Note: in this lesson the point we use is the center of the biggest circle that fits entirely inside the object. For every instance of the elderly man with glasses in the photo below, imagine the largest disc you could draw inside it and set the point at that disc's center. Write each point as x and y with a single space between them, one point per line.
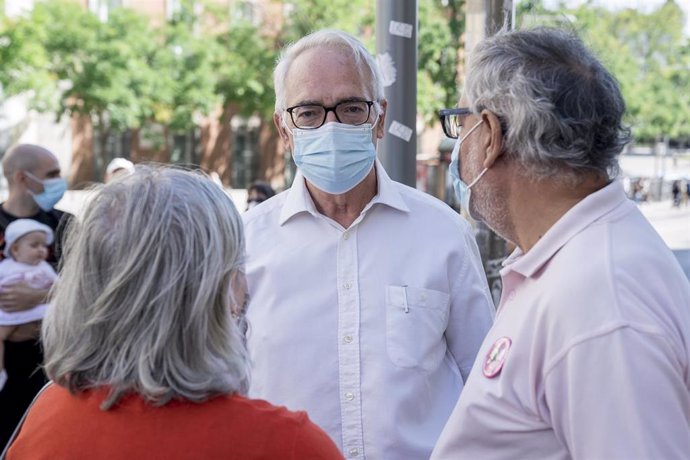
368 301
589 357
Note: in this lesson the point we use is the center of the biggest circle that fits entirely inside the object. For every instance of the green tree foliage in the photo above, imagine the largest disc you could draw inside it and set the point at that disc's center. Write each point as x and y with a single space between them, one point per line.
440 28
244 69
103 67
354 16
646 51
185 72
24 61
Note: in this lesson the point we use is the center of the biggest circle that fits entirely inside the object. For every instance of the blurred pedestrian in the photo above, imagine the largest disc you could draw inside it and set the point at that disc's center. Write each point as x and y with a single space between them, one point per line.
258 192
675 193
147 360
118 167
355 315
35 187
589 356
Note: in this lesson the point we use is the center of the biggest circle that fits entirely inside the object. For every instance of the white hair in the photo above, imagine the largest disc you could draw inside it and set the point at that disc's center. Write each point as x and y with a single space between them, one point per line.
143 302
560 109
328 38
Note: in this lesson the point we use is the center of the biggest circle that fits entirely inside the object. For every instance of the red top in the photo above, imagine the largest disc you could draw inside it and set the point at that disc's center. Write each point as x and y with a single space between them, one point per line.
65 426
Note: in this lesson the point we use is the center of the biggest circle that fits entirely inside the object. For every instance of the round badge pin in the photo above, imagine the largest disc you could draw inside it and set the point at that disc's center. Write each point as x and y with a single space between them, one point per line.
496 357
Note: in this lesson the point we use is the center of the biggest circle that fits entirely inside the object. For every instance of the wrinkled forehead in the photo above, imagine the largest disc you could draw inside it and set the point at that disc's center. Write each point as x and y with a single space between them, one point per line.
327 74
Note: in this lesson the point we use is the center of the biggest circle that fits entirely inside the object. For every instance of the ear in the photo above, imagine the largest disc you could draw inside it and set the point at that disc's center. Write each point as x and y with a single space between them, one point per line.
493 145
282 131
381 124
19 177
13 250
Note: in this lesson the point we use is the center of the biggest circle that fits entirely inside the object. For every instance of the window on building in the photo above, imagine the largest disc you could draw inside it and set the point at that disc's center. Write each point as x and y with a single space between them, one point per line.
245 151
172 8
101 8
247 11
184 148
16 8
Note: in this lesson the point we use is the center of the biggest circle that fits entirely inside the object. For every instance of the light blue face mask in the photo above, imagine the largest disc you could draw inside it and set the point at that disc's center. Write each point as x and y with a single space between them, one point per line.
335 157
462 190
53 190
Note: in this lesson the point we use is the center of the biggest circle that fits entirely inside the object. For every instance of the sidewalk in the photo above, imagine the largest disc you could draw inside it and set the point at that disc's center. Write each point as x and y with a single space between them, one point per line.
673 224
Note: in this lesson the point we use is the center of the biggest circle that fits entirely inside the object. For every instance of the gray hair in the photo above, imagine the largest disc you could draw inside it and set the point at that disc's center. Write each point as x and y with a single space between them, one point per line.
327 38
560 109
143 302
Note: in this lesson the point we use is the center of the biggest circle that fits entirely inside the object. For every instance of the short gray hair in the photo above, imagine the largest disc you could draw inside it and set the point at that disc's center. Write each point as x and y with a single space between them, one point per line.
327 38
561 110
143 302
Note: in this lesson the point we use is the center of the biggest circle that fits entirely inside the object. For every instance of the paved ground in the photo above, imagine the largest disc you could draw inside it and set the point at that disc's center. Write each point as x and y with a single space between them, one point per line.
673 224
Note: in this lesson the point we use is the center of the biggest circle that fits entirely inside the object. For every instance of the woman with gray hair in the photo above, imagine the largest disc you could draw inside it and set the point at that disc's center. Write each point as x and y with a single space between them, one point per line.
143 341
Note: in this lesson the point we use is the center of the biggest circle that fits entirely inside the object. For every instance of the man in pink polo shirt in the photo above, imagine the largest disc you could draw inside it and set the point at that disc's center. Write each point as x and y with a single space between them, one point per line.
588 357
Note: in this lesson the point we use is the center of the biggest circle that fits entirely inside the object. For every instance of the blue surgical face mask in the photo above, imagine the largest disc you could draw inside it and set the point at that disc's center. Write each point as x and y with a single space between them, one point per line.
462 190
335 157
53 190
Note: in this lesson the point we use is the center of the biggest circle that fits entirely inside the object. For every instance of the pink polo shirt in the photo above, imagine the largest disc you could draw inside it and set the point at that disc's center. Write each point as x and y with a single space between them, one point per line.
592 342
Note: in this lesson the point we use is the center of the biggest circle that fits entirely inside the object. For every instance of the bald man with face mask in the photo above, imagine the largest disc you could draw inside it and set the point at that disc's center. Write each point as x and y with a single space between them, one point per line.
35 186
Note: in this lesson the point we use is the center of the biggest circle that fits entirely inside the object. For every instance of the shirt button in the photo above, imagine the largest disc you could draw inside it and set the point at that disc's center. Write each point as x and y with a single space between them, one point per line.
347 285
511 296
422 296
346 235
353 452
347 339
349 396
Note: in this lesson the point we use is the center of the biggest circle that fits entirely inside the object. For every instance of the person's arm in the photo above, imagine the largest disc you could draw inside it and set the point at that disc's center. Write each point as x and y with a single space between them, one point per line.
471 311
20 296
619 394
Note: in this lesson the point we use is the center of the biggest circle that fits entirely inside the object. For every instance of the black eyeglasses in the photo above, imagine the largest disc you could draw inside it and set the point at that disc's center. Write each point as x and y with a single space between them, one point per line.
451 120
312 116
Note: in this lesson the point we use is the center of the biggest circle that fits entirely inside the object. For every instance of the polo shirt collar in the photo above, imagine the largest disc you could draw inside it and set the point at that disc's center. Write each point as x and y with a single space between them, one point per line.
299 200
579 217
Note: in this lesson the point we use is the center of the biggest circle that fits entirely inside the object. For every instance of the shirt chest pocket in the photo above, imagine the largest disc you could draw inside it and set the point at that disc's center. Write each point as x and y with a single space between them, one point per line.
416 319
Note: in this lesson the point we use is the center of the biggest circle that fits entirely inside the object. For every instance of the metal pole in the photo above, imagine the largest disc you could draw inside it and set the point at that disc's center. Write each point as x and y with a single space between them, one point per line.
396 46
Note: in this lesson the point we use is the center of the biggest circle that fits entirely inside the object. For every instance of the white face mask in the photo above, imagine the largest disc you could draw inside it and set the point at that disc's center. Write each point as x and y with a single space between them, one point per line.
462 190
335 157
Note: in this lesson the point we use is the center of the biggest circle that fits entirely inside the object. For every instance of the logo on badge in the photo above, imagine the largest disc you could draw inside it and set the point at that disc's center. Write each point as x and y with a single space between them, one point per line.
496 357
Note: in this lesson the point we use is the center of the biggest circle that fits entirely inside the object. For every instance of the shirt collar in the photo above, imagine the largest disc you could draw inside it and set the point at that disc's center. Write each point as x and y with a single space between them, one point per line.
579 217
299 200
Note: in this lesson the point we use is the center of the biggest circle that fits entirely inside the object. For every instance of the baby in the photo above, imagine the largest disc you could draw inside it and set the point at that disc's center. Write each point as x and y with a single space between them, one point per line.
26 248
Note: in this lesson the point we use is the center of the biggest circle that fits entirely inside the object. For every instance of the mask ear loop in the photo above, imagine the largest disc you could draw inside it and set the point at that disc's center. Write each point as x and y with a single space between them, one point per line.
460 141
378 114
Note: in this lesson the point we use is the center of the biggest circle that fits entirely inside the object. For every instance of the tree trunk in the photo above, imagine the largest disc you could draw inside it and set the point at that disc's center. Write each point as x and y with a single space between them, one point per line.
83 167
216 143
103 134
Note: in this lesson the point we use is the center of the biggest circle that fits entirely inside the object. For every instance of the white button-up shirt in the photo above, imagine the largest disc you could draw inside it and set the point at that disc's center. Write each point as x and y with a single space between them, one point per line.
370 329
597 317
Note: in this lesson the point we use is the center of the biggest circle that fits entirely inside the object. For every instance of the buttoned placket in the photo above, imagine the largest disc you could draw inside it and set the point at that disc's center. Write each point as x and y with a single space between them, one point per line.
348 345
